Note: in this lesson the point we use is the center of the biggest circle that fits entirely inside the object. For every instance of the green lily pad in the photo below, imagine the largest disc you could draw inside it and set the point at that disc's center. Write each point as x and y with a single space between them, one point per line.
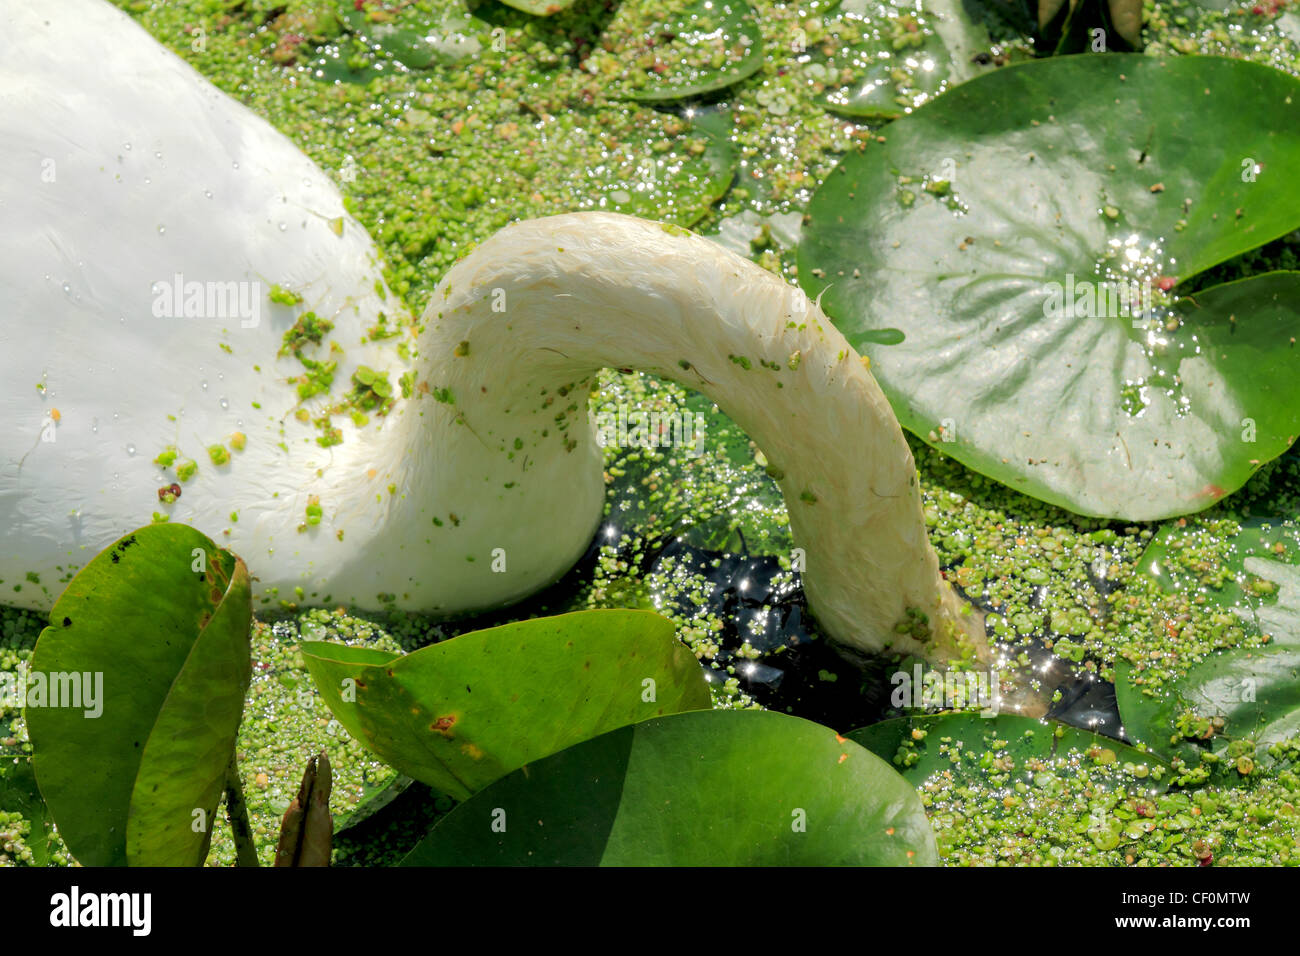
1005 234
676 187
876 61
540 8
346 60
462 713
1247 694
682 49
971 747
1257 581
373 800
416 35
20 794
709 788
1254 691
961 26
154 633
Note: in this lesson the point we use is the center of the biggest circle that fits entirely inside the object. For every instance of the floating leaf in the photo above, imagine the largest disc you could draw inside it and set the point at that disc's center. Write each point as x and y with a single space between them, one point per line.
416 36
876 62
155 629
1005 234
1257 581
346 60
709 788
961 26
1254 691
970 747
685 50
20 794
462 713
374 800
676 187
540 8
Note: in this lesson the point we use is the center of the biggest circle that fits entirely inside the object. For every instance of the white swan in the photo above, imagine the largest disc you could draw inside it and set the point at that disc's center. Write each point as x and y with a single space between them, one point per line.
122 169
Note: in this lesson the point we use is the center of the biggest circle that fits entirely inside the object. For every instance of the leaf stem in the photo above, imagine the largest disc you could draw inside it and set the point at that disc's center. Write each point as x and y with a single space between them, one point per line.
237 814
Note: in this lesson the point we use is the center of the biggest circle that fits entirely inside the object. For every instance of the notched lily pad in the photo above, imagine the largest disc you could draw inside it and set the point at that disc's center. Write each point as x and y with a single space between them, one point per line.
1026 232
708 788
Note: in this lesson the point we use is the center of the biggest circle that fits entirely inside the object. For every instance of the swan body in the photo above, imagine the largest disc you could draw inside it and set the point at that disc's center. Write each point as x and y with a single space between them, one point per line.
482 480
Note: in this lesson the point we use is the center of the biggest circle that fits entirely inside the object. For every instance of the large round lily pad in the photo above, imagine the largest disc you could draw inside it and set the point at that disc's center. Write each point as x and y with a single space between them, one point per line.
989 258
708 788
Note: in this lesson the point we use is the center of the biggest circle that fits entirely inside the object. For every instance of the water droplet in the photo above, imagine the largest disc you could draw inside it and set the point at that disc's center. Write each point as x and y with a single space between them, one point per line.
204 385
224 404
162 230
130 450
235 164
126 145
207 193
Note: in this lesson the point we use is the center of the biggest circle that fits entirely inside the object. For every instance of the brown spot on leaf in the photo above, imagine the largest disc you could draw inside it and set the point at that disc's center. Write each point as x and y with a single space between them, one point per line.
443 725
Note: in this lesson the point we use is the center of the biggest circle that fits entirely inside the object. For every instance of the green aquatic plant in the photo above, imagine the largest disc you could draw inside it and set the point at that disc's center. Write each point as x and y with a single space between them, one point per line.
733 788
1010 257
136 691
461 713
134 696
1238 708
